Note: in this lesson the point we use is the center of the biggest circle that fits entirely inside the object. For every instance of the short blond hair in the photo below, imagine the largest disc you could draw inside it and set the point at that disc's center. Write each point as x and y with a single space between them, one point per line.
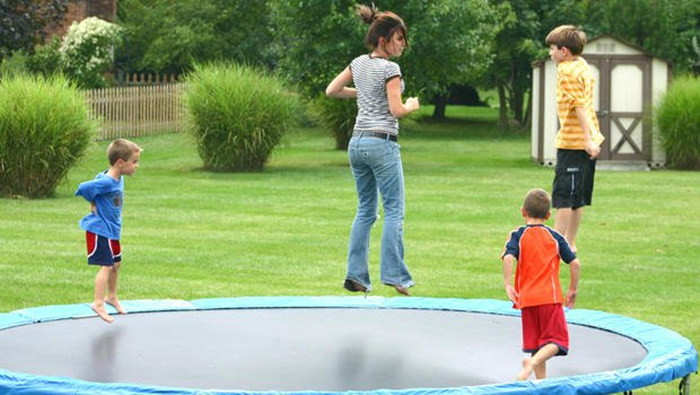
121 149
568 36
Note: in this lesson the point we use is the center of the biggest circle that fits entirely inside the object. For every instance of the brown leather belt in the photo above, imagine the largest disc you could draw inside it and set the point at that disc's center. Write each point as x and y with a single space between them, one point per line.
380 135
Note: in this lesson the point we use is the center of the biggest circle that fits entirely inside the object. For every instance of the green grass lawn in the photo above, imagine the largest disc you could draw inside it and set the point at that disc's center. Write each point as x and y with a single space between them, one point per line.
193 234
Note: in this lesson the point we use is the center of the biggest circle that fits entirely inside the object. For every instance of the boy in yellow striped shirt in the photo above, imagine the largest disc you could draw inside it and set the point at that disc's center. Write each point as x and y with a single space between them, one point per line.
578 139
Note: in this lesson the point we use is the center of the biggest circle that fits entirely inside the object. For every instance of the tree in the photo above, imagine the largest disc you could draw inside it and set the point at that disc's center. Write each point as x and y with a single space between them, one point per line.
319 39
23 23
170 36
664 28
450 45
449 42
519 44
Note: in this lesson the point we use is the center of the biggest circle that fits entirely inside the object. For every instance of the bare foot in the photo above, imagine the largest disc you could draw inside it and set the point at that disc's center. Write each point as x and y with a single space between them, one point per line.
114 302
528 367
102 313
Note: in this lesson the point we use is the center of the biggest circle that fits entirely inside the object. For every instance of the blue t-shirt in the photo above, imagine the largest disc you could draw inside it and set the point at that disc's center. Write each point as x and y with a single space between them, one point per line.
108 196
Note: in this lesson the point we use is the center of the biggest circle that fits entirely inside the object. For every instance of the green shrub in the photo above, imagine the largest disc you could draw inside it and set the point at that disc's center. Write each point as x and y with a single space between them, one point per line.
14 65
46 59
44 128
237 114
678 120
338 116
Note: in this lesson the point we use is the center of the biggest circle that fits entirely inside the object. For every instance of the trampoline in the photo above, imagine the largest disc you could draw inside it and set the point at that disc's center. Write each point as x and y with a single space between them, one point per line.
256 345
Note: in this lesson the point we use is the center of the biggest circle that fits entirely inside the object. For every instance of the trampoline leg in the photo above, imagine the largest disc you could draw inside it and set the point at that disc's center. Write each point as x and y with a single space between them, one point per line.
684 386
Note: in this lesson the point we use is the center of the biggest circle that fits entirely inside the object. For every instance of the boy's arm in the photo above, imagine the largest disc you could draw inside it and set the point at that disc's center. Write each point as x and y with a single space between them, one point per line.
575 267
91 189
508 264
591 147
572 89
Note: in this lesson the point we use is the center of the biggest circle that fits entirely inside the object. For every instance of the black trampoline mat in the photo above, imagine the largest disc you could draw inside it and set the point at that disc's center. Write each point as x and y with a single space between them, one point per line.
296 349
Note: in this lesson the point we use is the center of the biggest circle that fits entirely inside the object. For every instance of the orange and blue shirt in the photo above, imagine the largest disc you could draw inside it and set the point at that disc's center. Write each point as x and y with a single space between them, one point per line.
538 250
575 84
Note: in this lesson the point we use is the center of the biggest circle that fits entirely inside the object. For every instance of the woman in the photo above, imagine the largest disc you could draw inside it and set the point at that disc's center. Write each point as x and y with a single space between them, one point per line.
373 150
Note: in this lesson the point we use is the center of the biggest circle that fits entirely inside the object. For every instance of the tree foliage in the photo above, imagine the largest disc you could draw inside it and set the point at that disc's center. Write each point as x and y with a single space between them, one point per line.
23 23
451 44
170 36
663 28
449 41
319 38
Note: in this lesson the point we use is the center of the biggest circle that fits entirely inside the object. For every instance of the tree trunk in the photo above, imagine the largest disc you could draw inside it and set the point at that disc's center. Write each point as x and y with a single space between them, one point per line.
527 122
502 107
517 105
440 106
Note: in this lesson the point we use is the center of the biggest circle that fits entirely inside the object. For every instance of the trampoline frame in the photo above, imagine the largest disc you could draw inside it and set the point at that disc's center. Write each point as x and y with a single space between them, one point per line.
669 355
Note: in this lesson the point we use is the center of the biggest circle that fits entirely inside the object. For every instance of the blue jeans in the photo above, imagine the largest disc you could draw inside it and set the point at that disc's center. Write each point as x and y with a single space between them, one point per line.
376 165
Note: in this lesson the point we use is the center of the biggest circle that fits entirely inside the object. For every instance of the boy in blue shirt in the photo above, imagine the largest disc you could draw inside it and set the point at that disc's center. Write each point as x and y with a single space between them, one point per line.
103 225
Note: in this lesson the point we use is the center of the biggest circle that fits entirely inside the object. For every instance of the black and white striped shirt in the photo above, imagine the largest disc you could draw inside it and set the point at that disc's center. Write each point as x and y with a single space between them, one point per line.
370 75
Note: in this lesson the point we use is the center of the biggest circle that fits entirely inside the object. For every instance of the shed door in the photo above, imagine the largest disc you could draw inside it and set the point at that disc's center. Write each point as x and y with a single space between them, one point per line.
622 103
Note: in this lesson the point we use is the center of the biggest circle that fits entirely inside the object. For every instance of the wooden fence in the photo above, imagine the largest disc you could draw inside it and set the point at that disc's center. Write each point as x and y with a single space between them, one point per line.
130 79
134 111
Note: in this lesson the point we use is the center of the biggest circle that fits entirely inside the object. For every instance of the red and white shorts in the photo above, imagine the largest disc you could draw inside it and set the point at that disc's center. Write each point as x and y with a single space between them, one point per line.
101 250
543 325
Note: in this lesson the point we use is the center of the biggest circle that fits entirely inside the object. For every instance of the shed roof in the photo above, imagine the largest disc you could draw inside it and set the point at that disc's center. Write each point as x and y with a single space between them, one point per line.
604 44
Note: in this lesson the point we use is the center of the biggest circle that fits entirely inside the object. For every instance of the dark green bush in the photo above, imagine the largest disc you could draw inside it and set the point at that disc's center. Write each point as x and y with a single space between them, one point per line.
237 114
678 120
338 116
14 65
44 128
46 59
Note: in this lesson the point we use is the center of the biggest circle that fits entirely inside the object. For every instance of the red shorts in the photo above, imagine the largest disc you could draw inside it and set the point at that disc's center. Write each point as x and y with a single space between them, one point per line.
101 250
542 325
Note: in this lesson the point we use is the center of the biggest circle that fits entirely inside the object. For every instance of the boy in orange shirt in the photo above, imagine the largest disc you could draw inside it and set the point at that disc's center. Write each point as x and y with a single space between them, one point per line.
578 139
536 290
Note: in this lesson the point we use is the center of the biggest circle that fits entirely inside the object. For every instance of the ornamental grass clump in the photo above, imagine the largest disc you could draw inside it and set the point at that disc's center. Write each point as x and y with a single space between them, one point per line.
337 116
678 120
44 128
237 115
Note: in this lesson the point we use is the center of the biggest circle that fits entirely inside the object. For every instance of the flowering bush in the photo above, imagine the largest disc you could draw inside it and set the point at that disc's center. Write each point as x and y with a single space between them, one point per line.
87 51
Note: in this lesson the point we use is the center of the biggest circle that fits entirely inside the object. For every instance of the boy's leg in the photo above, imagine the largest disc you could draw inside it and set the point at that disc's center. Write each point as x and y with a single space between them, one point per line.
572 189
101 281
566 222
538 362
112 283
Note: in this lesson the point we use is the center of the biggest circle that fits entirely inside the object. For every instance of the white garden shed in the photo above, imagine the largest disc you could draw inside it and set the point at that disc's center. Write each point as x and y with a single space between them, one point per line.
629 83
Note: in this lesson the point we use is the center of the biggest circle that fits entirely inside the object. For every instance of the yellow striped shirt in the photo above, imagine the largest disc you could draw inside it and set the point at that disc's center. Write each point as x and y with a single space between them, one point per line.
575 85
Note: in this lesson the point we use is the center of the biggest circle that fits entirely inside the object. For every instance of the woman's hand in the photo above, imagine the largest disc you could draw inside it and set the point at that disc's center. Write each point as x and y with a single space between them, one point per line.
412 103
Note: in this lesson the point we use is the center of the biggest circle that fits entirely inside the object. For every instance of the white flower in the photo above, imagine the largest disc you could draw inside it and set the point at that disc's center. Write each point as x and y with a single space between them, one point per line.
86 50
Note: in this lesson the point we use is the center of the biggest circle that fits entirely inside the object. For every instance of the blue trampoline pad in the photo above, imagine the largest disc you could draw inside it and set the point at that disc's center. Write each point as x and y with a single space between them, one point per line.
326 345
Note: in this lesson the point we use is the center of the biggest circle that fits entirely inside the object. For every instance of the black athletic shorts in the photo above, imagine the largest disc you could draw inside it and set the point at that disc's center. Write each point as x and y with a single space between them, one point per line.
573 179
